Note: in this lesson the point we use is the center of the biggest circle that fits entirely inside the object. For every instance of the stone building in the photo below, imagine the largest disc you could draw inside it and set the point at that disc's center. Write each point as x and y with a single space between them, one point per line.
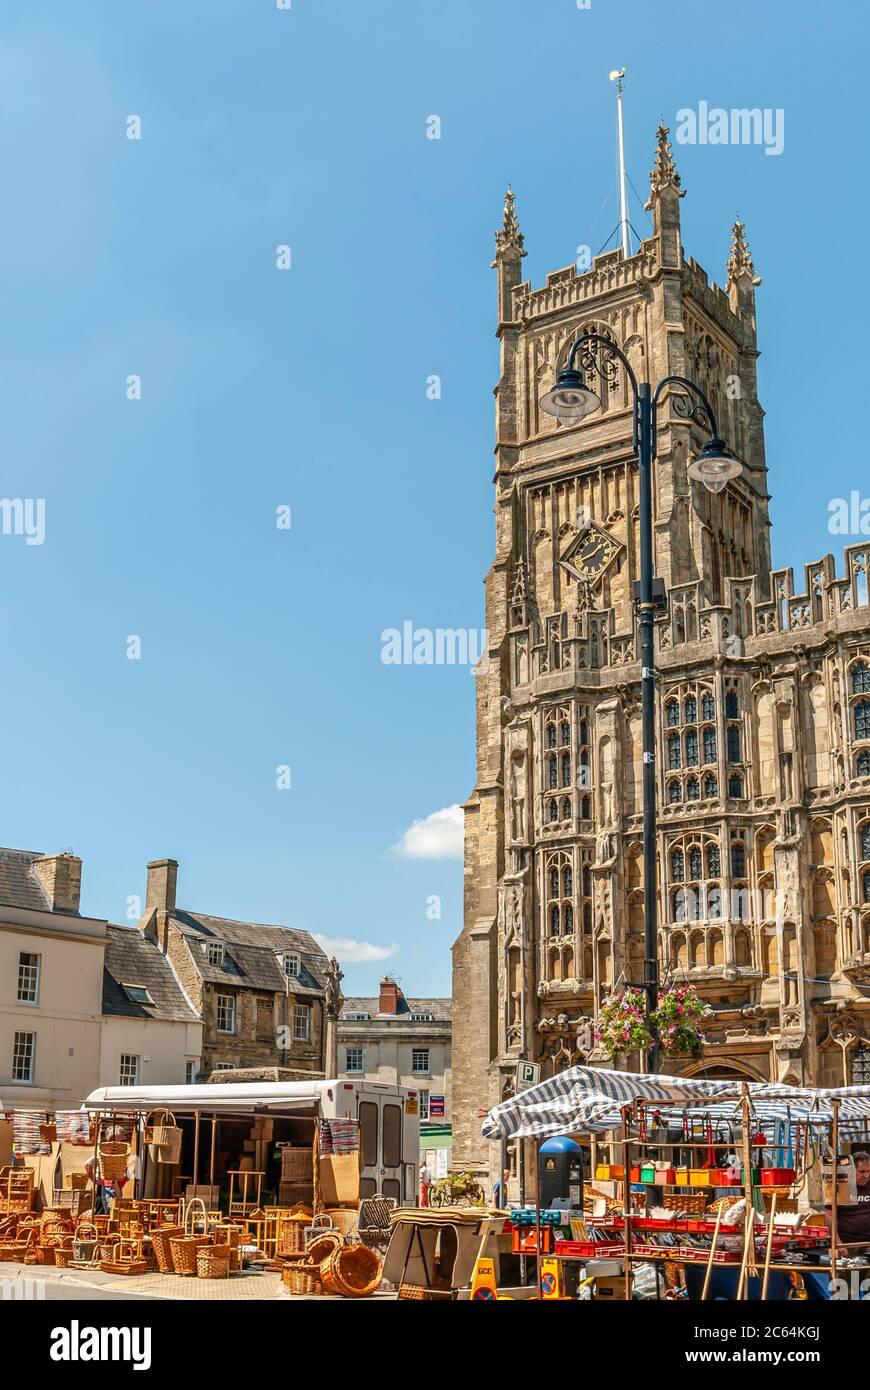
763 700
403 1042
263 992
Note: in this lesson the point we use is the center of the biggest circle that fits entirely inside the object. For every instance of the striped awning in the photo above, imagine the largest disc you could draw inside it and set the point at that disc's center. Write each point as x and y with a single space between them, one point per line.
591 1099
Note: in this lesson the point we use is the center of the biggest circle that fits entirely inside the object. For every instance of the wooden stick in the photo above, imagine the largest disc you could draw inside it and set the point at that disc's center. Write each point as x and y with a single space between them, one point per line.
709 1273
748 1234
772 1218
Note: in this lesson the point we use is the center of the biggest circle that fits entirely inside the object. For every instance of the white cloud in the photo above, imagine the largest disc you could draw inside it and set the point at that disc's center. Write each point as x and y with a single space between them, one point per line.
439 836
346 949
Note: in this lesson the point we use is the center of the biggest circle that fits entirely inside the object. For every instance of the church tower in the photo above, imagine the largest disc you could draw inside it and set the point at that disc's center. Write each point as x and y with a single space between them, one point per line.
553 877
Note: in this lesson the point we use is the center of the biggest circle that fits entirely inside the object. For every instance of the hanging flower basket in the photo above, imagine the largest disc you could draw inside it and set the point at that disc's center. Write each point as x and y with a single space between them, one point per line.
621 1026
678 1021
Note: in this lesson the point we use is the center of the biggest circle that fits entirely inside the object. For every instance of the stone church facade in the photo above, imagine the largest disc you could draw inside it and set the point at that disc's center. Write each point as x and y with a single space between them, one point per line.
763 708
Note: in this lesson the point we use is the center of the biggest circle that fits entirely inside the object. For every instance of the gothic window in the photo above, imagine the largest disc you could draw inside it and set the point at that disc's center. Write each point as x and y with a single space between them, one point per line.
552 779
865 886
678 905
673 714
587 917
569 919
554 920
566 769
567 881
734 743
861 679
693 789
678 866
690 710
860 1059
587 881
714 865
709 745
864 763
692 748
553 810
565 732
862 719
675 792
551 735
711 786
696 866
732 707
554 883
584 731
674 751
865 840
708 706
566 808
714 903
738 861
586 809
735 786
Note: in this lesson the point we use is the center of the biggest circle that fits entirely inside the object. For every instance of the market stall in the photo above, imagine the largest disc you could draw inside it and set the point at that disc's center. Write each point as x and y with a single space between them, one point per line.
734 1187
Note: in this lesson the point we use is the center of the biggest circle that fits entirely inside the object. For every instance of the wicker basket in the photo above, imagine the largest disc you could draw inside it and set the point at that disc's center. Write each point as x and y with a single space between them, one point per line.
694 1202
62 1256
183 1247
213 1262
160 1244
303 1277
164 1139
85 1246
354 1271
322 1244
113 1159
292 1238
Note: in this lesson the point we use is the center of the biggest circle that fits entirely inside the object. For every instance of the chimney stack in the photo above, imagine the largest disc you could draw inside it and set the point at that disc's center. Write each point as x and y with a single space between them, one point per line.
61 878
160 892
390 995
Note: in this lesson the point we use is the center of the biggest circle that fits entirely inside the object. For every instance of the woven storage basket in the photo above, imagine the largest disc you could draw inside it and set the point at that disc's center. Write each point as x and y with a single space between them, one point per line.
292 1239
354 1271
62 1256
85 1246
213 1262
113 1159
694 1202
183 1247
164 1139
303 1277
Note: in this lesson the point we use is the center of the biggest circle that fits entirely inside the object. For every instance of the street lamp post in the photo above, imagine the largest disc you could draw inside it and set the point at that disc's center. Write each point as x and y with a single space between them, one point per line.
571 400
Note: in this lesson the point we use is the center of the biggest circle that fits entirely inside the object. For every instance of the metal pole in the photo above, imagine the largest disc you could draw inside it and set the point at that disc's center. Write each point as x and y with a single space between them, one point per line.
646 615
623 196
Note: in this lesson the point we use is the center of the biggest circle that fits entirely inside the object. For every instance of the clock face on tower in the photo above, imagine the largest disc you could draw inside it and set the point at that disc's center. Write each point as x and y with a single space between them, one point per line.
590 553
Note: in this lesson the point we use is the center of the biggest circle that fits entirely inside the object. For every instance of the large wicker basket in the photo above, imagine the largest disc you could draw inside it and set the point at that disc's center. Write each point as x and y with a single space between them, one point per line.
183 1247
113 1159
354 1271
84 1246
160 1239
164 1139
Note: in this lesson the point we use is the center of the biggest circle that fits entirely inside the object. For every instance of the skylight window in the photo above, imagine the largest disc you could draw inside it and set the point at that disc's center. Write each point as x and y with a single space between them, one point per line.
137 994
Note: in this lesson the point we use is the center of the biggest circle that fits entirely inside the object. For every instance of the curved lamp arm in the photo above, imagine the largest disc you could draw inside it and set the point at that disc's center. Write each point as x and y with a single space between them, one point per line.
696 407
604 365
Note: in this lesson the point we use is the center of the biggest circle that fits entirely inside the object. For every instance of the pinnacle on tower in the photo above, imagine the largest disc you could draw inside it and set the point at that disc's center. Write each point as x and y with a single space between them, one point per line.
664 171
740 261
509 240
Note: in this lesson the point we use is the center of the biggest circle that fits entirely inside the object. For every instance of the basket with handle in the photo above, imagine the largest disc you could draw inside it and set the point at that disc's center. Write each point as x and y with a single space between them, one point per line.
213 1261
183 1247
304 1277
164 1138
113 1156
84 1246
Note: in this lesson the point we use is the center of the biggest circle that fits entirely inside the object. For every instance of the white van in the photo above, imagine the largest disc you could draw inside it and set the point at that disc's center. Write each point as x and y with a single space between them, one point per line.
389 1118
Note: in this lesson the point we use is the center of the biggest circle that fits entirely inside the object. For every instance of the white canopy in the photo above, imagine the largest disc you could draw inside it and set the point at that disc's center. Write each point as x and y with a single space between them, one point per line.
243 1096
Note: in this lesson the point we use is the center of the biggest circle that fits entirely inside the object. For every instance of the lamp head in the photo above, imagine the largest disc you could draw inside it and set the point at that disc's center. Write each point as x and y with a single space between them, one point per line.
715 466
570 399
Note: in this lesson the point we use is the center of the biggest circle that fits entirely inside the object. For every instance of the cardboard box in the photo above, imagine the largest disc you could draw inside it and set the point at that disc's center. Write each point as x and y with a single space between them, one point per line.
339 1180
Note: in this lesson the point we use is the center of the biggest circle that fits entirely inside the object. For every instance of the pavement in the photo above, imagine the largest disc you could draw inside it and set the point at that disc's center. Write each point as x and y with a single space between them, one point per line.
27 1282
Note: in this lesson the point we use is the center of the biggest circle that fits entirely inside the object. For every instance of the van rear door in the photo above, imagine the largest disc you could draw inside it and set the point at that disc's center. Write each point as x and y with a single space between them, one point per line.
381 1120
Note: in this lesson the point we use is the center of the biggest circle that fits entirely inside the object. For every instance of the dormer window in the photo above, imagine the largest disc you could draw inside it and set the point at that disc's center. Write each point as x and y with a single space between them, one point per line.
137 994
421 1018
214 951
356 1018
292 963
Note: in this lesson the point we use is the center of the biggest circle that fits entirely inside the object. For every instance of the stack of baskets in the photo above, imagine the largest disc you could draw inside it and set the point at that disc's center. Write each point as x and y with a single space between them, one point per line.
164 1138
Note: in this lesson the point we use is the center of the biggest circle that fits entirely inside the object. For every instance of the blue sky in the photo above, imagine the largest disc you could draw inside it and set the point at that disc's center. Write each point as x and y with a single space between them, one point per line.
306 388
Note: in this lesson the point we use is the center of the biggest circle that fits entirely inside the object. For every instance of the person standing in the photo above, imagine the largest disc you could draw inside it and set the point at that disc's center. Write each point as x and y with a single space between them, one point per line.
425 1183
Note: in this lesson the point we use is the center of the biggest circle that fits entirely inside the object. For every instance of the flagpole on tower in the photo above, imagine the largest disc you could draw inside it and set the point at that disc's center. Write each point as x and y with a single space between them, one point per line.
617 76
